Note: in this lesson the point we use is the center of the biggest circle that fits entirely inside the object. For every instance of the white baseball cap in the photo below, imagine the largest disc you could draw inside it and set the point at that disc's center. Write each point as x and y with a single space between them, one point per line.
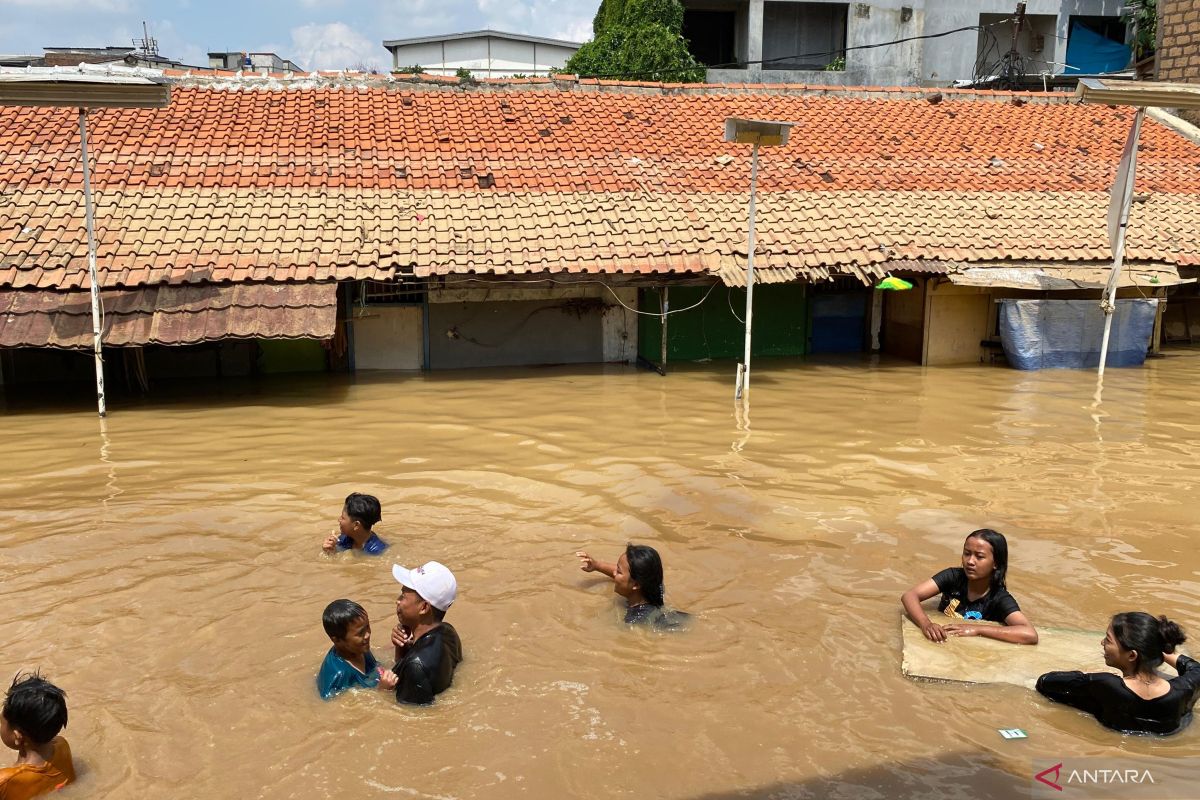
433 581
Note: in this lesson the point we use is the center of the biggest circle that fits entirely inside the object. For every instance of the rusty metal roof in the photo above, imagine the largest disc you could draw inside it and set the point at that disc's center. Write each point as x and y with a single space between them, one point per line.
1051 277
169 314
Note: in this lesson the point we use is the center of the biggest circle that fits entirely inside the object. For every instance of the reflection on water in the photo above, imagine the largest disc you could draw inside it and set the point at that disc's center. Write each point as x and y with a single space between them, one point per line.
167 571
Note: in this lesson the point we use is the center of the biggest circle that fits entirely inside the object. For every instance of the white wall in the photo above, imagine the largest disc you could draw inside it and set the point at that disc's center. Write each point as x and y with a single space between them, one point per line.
484 56
388 337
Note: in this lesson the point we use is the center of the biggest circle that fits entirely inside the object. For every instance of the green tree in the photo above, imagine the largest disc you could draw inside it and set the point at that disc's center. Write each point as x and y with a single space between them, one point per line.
638 40
1144 16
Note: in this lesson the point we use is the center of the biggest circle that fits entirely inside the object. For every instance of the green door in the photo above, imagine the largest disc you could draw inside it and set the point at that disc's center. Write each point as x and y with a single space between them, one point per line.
710 330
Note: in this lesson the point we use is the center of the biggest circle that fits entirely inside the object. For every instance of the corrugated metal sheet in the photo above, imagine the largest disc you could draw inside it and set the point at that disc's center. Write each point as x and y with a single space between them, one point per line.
733 275
1052 279
169 314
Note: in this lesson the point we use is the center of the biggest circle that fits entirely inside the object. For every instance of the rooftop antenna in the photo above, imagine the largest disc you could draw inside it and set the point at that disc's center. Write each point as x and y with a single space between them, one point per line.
147 45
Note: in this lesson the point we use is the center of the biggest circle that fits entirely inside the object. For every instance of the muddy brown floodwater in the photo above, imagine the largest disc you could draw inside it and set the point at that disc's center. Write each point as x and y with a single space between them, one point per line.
168 573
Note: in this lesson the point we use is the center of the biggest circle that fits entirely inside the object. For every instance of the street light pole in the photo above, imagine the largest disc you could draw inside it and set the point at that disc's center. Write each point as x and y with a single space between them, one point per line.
743 380
753 132
97 333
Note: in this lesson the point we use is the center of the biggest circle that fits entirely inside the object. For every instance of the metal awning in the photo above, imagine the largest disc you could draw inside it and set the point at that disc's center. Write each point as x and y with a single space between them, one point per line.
1138 93
1065 278
85 86
169 315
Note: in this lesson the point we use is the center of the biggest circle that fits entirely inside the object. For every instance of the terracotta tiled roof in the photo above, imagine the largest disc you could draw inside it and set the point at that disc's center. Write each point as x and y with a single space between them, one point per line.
322 179
169 314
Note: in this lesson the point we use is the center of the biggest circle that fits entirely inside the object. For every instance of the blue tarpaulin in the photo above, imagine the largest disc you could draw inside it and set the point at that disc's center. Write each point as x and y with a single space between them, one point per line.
1089 53
1065 334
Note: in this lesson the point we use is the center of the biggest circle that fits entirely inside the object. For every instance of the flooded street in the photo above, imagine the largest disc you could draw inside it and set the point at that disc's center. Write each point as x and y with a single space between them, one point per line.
168 574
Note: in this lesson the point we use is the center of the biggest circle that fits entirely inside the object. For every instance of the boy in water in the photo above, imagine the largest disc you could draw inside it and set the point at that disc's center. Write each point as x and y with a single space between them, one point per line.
360 512
427 647
349 664
35 710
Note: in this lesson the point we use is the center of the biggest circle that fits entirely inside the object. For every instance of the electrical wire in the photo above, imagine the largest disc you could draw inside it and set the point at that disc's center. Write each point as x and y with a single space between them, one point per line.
584 283
729 300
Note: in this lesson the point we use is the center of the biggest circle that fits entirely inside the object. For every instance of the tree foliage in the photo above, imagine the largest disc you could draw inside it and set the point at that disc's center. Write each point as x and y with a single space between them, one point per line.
1144 16
638 40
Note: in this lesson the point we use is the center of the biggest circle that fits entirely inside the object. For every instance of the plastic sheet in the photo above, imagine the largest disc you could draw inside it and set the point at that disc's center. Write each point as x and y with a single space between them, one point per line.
1066 334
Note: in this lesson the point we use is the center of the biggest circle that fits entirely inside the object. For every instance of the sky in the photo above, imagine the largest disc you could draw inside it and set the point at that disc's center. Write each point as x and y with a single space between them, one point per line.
316 34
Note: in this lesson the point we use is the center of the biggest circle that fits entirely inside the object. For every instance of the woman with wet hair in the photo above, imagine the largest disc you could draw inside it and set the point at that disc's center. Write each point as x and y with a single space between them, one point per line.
978 590
638 577
1139 700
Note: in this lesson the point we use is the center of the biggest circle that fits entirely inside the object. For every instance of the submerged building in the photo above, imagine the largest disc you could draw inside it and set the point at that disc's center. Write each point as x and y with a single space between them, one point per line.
366 222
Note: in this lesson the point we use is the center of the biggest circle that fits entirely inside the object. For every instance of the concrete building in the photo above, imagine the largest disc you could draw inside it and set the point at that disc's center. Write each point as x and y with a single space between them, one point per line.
487 54
252 62
799 42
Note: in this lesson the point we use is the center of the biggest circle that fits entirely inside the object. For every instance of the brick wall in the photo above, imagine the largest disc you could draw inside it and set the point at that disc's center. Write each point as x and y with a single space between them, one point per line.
1179 44
74 59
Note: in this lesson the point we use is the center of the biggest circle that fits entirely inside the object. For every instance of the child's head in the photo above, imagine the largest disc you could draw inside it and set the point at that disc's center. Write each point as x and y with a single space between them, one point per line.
639 568
35 710
360 509
348 627
985 554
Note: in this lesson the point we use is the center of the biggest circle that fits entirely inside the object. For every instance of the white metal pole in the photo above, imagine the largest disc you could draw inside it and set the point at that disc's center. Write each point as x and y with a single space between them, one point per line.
1109 303
744 372
91 238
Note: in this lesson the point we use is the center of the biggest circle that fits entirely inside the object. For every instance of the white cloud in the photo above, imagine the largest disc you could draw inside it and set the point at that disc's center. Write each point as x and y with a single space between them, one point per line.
559 19
578 31
334 46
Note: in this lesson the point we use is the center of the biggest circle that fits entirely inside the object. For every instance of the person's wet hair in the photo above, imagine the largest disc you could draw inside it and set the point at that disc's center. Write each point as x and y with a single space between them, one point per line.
338 615
999 555
645 567
1149 636
365 508
35 707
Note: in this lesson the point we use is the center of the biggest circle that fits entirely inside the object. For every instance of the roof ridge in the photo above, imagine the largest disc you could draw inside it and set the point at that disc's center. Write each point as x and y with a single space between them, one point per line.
348 79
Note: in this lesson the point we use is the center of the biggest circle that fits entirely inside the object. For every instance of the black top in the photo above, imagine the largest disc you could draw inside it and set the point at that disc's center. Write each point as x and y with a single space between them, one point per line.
996 605
656 617
1106 697
428 666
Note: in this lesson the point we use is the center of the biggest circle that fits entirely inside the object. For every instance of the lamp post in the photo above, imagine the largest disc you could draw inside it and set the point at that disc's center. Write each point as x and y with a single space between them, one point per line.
1141 95
54 86
754 132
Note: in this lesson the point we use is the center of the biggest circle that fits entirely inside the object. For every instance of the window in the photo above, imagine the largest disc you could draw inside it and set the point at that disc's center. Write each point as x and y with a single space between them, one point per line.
402 292
709 35
803 35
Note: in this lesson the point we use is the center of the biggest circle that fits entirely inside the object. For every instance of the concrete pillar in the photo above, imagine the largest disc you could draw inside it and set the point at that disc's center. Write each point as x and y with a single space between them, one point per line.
754 38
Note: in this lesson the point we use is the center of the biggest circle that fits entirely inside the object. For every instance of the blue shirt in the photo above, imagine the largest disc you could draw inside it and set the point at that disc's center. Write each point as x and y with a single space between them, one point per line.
337 675
373 546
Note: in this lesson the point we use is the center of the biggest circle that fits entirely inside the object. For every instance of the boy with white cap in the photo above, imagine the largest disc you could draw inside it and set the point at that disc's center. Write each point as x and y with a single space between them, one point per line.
427 648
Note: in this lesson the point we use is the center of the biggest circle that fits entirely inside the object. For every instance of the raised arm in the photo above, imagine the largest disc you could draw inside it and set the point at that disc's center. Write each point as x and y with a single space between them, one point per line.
1187 667
912 599
589 564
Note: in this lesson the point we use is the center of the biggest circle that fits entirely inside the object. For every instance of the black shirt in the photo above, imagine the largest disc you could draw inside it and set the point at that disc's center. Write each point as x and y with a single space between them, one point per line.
428 666
995 606
1106 697
656 617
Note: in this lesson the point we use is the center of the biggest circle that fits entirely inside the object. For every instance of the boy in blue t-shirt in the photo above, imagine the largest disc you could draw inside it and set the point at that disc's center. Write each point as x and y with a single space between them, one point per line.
360 512
349 664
